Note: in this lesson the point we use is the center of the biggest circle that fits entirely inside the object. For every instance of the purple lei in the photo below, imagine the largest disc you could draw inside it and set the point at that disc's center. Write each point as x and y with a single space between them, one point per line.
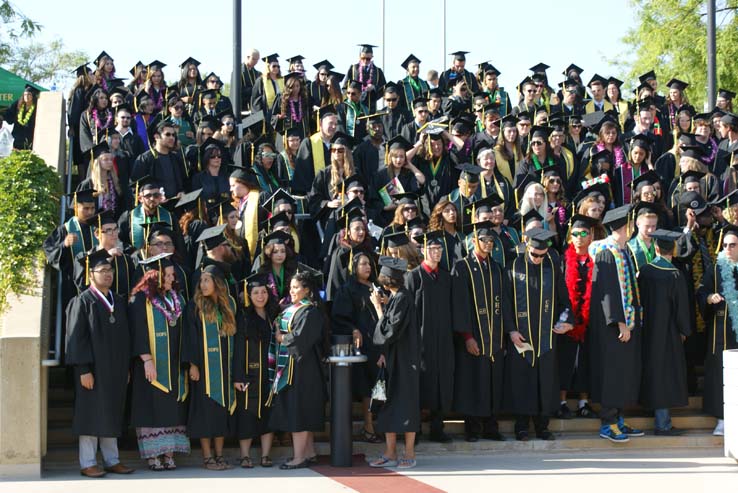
96 118
172 315
296 114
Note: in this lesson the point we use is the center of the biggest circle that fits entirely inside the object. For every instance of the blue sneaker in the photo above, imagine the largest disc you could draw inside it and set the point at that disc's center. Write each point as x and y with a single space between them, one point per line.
627 430
613 433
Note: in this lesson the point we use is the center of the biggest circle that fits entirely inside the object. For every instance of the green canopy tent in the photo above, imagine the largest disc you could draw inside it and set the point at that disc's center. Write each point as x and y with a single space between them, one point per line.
11 87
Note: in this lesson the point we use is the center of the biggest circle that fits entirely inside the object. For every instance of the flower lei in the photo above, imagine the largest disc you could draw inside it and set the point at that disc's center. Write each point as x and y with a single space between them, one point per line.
617 151
171 314
25 116
96 118
729 292
296 114
579 303
362 66
708 160
157 98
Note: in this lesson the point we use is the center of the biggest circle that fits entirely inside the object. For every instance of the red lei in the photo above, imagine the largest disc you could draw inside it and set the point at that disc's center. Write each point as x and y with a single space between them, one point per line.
579 306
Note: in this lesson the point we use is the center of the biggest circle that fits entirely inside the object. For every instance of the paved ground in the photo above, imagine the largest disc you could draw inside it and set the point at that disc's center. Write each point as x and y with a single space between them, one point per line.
627 471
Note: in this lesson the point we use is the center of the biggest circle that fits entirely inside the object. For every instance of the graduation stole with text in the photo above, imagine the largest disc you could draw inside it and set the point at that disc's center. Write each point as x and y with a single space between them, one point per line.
139 219
487 304
522 295
626 279
281 362
74 227
216 387
159 348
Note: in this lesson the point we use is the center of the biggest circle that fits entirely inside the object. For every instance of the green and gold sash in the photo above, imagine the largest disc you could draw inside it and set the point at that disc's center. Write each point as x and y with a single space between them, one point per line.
139 220
159 348
215 385
521 294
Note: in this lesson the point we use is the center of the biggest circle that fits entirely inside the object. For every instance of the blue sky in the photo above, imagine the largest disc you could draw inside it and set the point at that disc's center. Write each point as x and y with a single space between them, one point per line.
513 35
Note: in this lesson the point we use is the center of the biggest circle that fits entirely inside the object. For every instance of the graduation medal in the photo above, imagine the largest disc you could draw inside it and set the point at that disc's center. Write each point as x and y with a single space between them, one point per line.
108 305
434 182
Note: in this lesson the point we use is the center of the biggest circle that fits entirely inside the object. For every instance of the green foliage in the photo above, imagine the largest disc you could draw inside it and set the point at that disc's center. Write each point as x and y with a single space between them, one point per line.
15 26
29 210
40 62
671 37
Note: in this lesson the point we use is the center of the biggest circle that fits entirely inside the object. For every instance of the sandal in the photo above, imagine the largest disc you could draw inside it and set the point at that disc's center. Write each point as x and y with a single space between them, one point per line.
383 461
370 437
406 463
211 464
169 464
246 462
302 465
155 464
266 461
222 462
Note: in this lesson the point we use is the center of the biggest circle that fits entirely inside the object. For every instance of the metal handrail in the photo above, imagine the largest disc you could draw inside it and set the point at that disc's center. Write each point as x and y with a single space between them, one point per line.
55 355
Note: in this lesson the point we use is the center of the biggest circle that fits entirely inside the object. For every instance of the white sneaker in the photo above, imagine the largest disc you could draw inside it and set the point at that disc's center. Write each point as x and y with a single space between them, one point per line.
719 428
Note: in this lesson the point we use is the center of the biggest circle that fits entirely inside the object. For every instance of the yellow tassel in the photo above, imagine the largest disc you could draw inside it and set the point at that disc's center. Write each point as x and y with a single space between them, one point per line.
351 261
252 154
87 270
720 242
245 296
135 199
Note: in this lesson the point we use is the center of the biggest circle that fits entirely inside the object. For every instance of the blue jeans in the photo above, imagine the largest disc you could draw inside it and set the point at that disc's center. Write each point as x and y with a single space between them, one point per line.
662 419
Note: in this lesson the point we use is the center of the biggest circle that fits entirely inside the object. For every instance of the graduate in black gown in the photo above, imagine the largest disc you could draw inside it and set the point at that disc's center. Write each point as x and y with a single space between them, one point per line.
400 175
352 313
541 309
298 391
351 239
666 324
158 379
251 369
397 333
615 328
369 76
209 330
717 291
430 287
98 350
22 115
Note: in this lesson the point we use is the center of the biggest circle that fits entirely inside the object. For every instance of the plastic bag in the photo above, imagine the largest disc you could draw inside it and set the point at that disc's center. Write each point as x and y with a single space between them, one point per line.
6 140
379 392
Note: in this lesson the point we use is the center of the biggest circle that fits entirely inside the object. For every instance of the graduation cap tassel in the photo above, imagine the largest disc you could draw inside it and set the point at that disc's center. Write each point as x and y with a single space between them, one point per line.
252 154
87 271
317 120
245 295
720 242
220 214
351 261
135 199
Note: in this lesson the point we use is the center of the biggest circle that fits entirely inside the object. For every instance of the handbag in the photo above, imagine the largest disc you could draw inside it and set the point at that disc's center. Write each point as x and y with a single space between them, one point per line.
379 392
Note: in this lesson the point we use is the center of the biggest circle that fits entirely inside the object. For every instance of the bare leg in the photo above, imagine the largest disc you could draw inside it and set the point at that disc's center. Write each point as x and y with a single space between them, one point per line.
310 445
410 445
218 445
266 444
562 395
299 446
245 446
391 445
205 446
368 419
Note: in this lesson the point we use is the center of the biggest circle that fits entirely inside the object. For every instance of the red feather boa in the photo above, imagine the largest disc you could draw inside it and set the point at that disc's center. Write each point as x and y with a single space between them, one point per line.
578 305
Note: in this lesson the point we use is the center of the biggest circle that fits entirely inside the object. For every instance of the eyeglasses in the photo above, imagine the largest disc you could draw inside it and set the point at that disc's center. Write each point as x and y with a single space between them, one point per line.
162 244
729 245
536 143
390 100
357 192
579 234
228 124
215 156
269 154
523 124
339 150
554 180
154 195
486 239
530 90
103 271
109 231
169 134
538 255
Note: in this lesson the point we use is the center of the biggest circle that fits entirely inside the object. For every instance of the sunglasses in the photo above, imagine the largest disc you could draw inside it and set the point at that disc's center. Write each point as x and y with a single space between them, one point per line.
538 255
486 239
576 125
154 195
169 134
536 143
213 156
340 150
579 234
390 100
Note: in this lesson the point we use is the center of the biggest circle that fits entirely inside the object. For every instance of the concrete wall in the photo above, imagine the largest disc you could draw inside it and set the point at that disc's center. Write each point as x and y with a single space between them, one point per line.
24 333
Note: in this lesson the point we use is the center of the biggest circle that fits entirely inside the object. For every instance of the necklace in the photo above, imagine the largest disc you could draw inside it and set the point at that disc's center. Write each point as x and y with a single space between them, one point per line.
25 115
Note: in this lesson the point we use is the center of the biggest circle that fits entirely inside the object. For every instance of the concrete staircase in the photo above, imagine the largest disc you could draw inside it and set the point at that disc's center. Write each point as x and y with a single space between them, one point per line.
572 435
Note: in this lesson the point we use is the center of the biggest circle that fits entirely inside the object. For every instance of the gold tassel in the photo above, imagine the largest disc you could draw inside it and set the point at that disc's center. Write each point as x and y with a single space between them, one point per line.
351 261
87 270
245 296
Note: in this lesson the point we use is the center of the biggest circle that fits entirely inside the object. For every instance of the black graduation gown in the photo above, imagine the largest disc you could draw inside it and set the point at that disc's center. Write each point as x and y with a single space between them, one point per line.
250 365
120 200
373 73
438 186
368 159
449 75
214 188
124 269
150 406
206 418
338 267
181 274
453 250
301 406
432 299
249 76
531 379
22 134
720 337
62 259
352 309
663 290
359 125
527 167
615 366
304 175
90 135
398 333
173 180
478 379
393 122
96 345
375 207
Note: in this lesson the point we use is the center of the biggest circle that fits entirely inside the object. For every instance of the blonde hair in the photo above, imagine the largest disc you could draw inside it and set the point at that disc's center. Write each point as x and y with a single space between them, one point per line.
210 306
388 161
339 173
527 203
100 182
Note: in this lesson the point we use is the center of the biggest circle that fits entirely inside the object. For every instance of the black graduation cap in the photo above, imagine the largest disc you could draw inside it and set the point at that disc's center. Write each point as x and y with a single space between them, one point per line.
208 94
597 78
592 191
350 216
435 93
463 123
616 218
409 60
157 262
293 75
459 55
729 229
582 221
730 119
693 151
691 176
391 87
279 220
666 236
407 198
644 141
677 84
725 93
274 57
539 68
189 61
33 90
526 80
392 267
523 115
188 201
420 102
540 131
509 120
414 223
395 240
281 196
93 258
616 82
258 279
573 67
215 270
81 70
133 69
353 181
648 178
100 149
645 208
325 63
694 201
486 204
213 237
85 196
156 64
727 201
326 110
399 142
481 229
140 98
490 69
246 175
343 139
530 216
539 238
367 49
603 155
717 112
429 238
295 59
703 116
469 172
568 83
278 237
147 182
316 277
338 75
157 228
650 75
208 121
102 54
219 211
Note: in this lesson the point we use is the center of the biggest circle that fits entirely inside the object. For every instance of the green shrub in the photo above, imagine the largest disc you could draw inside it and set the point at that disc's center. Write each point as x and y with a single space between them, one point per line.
29 212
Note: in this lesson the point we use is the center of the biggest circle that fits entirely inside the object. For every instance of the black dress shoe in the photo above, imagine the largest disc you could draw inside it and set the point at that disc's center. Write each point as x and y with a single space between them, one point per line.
563 412
671 432
494 435
472 437
521 436
586 412
301 465
545 435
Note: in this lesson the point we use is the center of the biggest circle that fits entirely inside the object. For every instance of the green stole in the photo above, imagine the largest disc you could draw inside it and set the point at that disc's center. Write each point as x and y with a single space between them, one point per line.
411 86
282 373
521 295
720 313
159 348
74 227
215 387
486 297
139 220
641 254
499 96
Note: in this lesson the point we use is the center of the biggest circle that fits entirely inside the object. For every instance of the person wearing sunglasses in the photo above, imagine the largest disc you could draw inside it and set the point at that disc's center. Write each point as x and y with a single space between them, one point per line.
178 116
369 76
350 110
394 117
540 309
135 225
540 158
527 89
570 100
571 349
162 162
268 87
460 99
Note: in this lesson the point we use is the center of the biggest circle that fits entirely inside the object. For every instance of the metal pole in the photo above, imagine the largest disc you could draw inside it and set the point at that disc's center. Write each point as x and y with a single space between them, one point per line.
711 55
236 74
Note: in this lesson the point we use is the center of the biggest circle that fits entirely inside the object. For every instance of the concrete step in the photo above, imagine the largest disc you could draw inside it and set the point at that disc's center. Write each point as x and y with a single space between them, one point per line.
61 435
67 457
